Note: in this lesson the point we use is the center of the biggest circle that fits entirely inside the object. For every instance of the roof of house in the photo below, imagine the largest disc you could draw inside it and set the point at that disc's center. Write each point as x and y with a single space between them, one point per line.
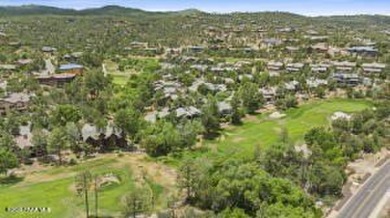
17 97
91 131
272 41
63 75
224 106
374 65
291 85
189 111
70 66
362 49
268 91
24 61
7 67
275 64
48 49
311 82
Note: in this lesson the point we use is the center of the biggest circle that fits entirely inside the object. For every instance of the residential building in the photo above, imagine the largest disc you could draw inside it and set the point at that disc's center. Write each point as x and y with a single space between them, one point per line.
15 101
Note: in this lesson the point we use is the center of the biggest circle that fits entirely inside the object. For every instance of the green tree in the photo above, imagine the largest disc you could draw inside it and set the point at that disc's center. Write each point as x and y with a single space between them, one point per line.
160 138
188 177
137 202
188 131
83 182
236 111
73 136
210 117
251 97
129 121
8 160
57 142
64 114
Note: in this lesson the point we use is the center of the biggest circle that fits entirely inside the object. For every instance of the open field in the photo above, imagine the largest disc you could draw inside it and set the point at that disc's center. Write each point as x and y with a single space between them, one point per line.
264 131
54 187
131 66
120 79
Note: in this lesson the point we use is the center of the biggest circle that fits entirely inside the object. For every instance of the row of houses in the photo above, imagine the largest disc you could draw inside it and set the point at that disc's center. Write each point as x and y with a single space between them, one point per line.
369 68
101 139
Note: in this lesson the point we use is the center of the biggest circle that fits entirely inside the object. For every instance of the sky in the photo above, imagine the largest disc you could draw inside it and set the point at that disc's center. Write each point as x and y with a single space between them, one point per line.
304 7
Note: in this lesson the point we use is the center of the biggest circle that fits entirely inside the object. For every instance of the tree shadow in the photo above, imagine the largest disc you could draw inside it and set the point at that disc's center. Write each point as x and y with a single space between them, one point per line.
211 135
10 180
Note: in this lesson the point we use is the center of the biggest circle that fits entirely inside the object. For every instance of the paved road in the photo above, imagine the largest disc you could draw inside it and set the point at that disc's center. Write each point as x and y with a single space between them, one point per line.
363 203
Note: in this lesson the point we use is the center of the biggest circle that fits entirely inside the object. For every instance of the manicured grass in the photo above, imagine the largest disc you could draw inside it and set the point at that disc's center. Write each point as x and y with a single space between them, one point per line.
54 188
265 131
120 80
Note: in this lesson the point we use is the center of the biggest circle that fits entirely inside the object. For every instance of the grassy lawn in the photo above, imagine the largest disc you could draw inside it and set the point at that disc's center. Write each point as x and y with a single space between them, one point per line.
120 80
264 131
54 187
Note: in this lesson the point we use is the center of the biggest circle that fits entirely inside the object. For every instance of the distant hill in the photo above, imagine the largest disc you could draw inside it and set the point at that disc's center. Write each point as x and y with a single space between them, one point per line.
113 10
33 10
107 10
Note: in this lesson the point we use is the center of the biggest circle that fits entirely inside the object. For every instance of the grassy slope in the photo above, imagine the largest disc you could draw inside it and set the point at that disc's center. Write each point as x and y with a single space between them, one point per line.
54 188
265 131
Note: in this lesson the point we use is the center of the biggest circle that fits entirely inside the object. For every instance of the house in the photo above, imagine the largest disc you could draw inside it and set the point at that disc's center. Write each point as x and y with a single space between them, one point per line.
224 108
319 47
71 69
363 51
275 66
14 101
187 112
317 38
272 42
314 83
269 94
56 79
22 62
344 66
48 49
73 57
285 30
373 68
319 68
24 142
199 67
154 115
170 89
221 69
7 67
292 49
294 67
367 81
195 49
347 79
138 45
312 32
105 139
247 76
292 85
